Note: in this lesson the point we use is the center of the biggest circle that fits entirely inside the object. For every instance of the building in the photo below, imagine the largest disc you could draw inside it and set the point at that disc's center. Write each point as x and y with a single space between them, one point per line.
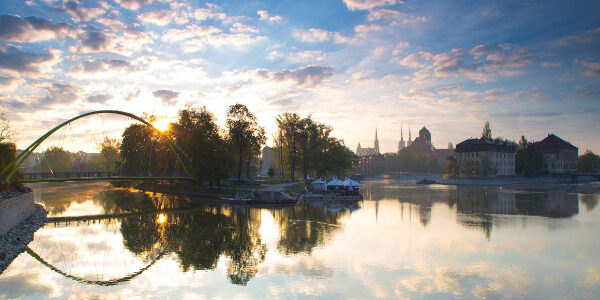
267 161
32 163
370 160
485 158
422 144
560 157
401 143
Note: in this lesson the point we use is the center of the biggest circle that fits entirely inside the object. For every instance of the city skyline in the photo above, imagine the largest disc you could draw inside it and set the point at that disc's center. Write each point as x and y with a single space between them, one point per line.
528 68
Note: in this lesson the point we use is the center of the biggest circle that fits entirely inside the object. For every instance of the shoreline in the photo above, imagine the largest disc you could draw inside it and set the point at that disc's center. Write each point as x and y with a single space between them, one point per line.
16 240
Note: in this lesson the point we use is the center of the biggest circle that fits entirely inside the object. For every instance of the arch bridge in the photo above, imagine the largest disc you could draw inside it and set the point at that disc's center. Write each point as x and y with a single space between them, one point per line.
10 170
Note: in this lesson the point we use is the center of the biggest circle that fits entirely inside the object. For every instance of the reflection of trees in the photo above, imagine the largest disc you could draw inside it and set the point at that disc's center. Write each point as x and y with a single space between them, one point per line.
303 227
590 201
123 200
198 238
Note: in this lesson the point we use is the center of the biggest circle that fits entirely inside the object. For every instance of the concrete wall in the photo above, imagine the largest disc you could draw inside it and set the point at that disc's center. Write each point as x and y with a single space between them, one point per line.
14 210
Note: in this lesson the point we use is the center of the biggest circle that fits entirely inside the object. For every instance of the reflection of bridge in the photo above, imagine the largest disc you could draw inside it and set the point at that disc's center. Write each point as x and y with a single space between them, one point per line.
93 218
96 282
9 171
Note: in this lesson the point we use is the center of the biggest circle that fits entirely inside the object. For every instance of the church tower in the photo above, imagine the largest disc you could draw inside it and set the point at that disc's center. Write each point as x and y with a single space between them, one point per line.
409 137
376 141
401 143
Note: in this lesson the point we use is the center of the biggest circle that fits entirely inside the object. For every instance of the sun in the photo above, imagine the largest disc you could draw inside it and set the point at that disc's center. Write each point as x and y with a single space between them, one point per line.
161 124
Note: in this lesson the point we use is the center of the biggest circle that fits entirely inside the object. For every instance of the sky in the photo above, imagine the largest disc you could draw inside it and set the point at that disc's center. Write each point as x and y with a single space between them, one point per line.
528 67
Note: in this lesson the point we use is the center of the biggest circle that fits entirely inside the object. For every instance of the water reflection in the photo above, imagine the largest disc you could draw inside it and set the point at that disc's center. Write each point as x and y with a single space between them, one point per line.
401 241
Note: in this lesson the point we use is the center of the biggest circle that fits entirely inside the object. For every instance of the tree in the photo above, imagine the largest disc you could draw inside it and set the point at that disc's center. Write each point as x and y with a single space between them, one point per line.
109 158
197 133
451 168
589 162
487 131
247 137
290 124
6 132
56 159
528 159
271 172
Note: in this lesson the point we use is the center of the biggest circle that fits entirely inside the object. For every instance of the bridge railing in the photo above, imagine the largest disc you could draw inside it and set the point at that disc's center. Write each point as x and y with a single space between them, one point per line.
59 175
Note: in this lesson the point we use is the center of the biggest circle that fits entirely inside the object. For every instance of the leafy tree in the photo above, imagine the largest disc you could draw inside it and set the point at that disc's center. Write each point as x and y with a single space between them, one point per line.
197 133
528 159
589 162
451 168
57 159
6 132
290 125
109 158
487 131
247 137
271 172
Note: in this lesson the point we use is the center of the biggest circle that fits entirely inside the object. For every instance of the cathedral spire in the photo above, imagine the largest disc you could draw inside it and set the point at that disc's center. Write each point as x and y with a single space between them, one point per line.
376 141
409 136
401 133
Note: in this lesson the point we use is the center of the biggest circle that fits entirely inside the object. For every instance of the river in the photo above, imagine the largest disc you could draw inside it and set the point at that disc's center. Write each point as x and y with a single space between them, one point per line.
401 241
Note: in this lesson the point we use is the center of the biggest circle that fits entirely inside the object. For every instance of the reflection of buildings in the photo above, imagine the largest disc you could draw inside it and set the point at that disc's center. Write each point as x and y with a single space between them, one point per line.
485 158
370 160
475 205
559 156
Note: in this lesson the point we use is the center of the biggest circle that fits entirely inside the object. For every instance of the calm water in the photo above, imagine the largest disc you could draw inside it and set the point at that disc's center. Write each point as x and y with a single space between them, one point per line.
402 241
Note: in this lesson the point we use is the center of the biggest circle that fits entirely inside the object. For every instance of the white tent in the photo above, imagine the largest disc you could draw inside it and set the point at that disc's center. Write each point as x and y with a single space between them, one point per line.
335 183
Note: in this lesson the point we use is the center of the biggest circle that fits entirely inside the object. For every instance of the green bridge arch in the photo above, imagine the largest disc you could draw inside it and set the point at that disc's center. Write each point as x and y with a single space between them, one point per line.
14 165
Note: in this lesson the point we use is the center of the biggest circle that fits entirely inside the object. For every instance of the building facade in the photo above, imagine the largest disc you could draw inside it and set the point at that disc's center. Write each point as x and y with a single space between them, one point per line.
560 156
485 158
370 160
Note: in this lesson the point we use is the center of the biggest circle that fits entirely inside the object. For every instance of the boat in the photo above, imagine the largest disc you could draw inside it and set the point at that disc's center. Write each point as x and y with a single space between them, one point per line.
426 181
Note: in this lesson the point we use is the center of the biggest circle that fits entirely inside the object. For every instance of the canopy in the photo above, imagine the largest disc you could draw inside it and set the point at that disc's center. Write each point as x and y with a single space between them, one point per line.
335 182
351 183
318 181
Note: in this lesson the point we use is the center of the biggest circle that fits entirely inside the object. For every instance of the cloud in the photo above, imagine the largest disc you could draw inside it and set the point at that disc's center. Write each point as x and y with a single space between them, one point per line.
238 27
593 69
94 41
14 60
99 98
80 13
363 28
307 76
30 29
368 4
264 16
212 12
8 83
585 37
58 93
548 64
133 4
397 17
416 60
167 97
313 35
103 65
481 50
310 56
188 32
235 40
162 17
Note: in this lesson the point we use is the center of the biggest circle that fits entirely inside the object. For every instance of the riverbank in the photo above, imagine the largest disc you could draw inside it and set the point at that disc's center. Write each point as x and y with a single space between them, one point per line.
16 240
515 180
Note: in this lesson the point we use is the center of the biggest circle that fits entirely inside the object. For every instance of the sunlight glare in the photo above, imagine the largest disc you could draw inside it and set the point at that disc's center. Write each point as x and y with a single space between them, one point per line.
161 124
161 219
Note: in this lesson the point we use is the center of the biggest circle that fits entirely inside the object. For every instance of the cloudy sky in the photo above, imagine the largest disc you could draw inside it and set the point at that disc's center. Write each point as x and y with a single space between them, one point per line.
529 67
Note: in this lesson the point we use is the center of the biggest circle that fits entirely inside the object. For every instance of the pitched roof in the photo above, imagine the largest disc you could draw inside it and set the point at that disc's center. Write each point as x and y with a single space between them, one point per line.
369 152
479 145
554 142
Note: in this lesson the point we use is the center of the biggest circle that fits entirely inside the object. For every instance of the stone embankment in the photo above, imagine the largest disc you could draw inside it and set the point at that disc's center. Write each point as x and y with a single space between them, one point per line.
14 242
20 217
